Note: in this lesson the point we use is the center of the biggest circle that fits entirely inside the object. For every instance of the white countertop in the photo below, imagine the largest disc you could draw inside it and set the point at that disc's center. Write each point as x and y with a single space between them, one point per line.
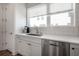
69 39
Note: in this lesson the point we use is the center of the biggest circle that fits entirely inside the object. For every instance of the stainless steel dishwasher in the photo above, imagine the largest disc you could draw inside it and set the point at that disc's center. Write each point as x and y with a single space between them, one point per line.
54 48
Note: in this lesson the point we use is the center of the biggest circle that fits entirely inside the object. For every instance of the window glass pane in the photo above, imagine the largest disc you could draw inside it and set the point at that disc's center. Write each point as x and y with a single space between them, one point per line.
33 22
40 21
60 19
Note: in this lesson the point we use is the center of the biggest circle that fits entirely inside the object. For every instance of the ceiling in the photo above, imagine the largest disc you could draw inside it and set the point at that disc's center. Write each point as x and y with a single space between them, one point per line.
31 4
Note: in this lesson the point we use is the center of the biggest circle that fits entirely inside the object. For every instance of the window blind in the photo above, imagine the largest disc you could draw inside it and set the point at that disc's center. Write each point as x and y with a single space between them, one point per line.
37 10
59 7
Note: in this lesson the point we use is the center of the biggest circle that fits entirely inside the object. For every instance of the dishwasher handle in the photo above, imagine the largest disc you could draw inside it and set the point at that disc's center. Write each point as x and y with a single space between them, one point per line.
54 45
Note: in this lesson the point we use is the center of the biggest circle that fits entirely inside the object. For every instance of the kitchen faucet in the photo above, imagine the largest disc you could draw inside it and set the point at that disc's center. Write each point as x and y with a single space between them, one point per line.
38 30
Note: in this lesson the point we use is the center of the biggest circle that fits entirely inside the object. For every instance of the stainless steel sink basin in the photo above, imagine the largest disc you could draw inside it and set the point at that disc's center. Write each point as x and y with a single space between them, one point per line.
35 34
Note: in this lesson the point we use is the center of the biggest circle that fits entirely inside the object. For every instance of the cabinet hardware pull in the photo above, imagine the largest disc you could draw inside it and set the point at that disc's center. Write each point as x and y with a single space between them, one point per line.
53 45
29 44
73 48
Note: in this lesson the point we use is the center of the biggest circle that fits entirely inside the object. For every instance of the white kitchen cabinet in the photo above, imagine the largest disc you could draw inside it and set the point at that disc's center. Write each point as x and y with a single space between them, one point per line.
35 50
5 16
74 50
12 19
1 43
26 47
23 47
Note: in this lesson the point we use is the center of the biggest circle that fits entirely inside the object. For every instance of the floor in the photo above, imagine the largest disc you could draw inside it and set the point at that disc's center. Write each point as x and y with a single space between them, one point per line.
7 53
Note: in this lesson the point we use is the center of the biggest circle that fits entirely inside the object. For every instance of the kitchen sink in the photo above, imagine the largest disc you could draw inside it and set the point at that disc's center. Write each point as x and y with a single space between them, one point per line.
35 34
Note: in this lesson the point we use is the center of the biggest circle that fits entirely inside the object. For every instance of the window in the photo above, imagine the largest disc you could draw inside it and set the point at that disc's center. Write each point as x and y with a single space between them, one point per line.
61 14
37 15
40 21
61 19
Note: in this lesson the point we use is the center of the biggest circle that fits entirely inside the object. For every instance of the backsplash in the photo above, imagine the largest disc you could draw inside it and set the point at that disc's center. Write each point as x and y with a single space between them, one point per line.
65 30
34 30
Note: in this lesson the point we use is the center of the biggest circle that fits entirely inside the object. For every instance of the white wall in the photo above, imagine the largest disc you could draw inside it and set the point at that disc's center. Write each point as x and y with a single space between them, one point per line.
20 17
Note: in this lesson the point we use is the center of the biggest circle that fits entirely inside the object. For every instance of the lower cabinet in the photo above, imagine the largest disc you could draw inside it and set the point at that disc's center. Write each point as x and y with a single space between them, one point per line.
26 48
36 50
23 48
74 50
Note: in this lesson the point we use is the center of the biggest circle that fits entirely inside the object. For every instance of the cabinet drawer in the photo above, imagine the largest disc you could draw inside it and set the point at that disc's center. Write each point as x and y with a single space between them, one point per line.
19 37
36 44
35 40
29 39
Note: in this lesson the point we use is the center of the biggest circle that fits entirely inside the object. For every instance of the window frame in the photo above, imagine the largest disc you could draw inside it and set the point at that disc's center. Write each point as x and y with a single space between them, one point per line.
48 16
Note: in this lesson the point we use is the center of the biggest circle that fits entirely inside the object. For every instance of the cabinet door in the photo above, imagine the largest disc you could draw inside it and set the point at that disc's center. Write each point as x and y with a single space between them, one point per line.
1 43
35 50
74 50
10 27
27 47
23 47
4 25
